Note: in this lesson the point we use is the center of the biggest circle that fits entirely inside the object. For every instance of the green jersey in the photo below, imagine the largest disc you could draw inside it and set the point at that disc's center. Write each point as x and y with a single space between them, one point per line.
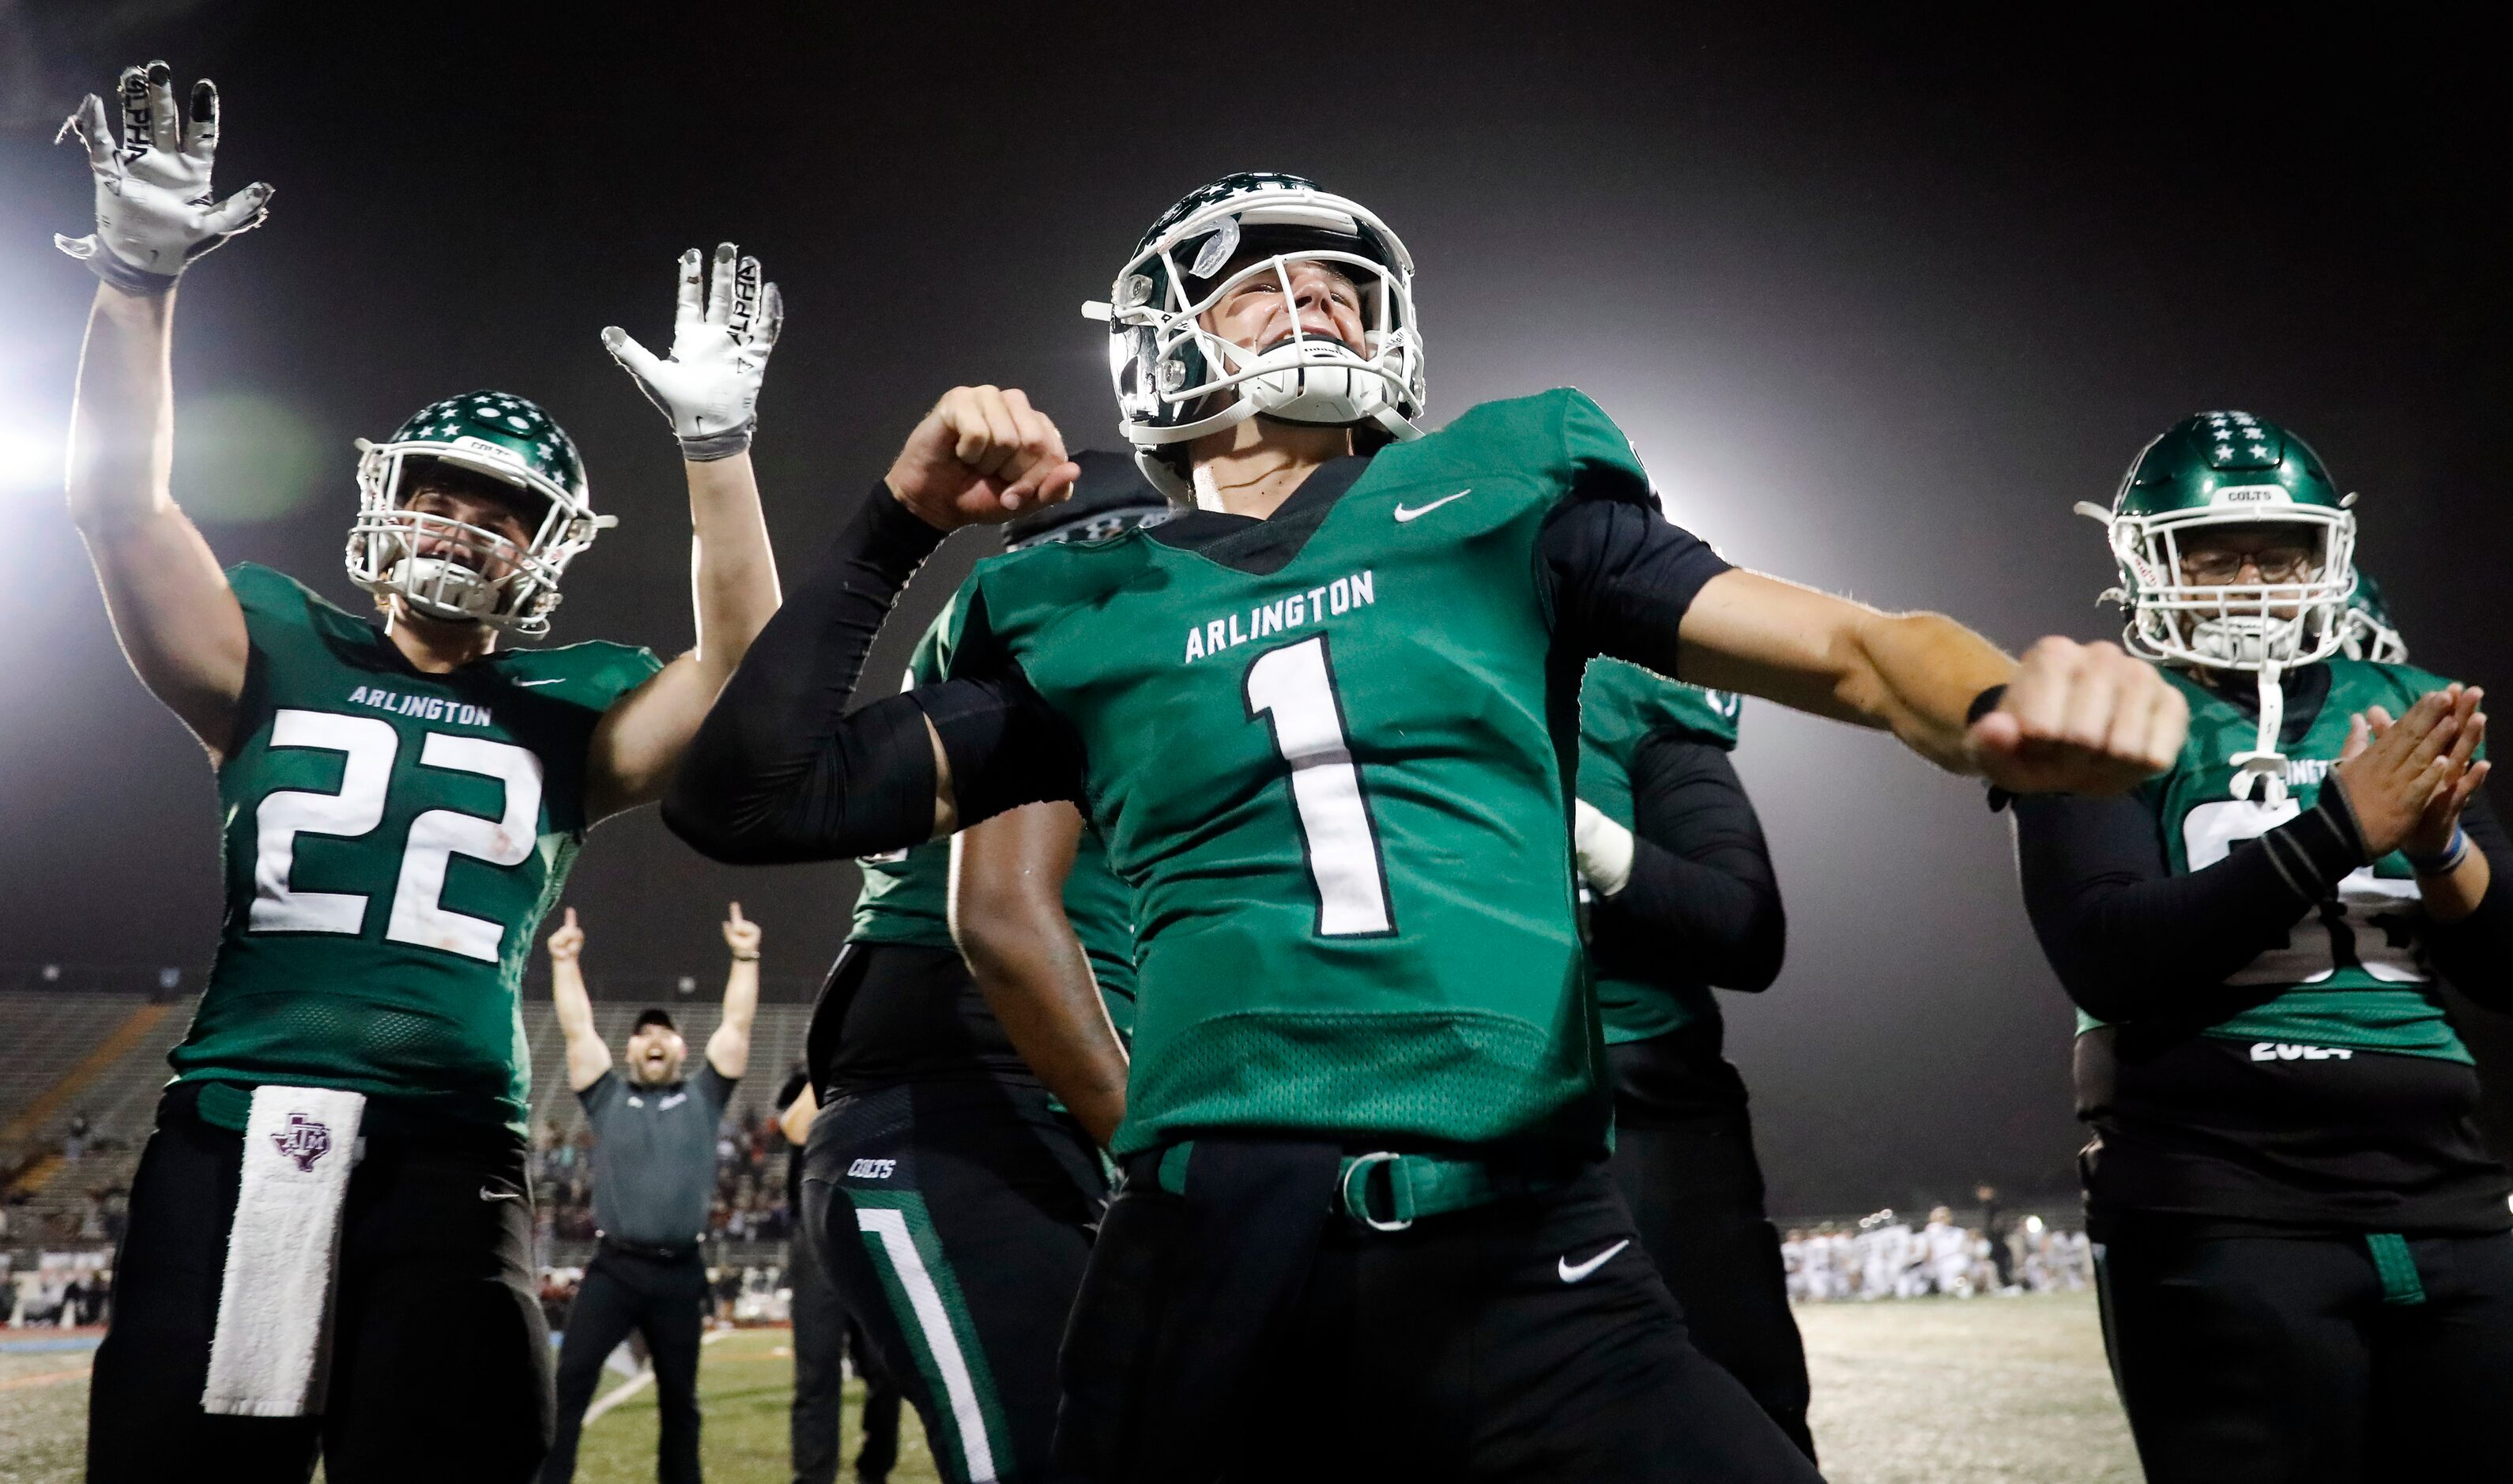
392 840
2355 967
1330 752
907 892
1621 704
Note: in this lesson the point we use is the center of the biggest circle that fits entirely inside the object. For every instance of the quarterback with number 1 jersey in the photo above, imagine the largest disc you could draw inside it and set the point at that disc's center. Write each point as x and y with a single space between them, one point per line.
391 838
1310 742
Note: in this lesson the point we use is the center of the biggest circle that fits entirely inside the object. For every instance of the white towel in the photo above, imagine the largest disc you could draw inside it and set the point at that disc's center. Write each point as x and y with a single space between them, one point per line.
275 1302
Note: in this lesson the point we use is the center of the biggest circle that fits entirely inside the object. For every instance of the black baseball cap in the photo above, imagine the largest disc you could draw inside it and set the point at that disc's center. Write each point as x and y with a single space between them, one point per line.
662 1017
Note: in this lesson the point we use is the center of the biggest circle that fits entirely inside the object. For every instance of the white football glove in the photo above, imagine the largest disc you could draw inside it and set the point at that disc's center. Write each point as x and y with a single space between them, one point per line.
1604 847
153 214
709 386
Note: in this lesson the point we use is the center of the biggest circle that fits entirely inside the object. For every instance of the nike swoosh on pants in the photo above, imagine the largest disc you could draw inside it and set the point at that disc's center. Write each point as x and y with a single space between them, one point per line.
1573 1272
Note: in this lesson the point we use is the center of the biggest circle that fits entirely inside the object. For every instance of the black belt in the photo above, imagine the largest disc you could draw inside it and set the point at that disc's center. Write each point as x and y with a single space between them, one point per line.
650 1251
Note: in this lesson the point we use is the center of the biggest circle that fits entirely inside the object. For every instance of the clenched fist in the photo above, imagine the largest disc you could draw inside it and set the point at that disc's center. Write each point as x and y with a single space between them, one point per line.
2079 718
983 456
740 934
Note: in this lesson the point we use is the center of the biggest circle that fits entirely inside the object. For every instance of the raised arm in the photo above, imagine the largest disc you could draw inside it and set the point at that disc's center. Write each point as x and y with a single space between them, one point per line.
2070 717
178 623
781 771
709 389
587 1059
728 1051
1008 916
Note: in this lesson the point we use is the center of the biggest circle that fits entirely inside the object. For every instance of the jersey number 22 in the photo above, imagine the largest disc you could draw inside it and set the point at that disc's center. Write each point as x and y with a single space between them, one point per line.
435 836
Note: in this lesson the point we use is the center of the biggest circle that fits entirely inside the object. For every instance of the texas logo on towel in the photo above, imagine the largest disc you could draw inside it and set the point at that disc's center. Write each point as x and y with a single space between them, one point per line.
304 1140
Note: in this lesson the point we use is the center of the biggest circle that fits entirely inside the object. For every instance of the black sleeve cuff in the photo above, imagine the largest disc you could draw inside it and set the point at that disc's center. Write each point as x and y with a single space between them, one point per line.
895 538
2316 850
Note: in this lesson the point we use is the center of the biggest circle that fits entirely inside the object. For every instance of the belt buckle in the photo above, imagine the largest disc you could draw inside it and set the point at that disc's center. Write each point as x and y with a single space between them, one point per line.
1356 1177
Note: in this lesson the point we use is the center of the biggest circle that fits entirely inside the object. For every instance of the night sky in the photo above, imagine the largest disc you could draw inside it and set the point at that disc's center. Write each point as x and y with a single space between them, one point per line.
1876 301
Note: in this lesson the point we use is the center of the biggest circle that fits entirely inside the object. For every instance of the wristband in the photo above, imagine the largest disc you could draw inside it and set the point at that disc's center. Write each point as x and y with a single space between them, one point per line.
745 958
2444 862
101 261
1981 706
706 448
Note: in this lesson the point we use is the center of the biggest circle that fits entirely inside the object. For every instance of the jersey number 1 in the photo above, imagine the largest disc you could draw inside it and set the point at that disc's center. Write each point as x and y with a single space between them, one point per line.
1295 688
435 836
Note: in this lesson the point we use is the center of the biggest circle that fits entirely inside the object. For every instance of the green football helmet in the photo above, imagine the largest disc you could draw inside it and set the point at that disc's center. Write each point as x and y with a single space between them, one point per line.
2212 472
2371 633
2218 469
509 439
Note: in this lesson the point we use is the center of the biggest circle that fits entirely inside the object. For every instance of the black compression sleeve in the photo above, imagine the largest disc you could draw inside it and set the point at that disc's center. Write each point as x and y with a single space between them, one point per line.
2130 940
1620 578
2476 953
778 771
1701 904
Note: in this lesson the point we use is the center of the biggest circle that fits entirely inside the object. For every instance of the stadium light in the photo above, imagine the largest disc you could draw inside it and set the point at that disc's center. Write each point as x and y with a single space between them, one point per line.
31 459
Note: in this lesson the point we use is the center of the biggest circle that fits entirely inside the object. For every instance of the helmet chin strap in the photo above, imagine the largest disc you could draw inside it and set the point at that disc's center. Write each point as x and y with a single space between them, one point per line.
2264 763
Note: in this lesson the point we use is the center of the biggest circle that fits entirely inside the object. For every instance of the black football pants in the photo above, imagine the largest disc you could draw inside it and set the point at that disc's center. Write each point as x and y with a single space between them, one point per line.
1240 1331
2278 1360
440 1362
1697 1195
823 1337
954 1219
666 1302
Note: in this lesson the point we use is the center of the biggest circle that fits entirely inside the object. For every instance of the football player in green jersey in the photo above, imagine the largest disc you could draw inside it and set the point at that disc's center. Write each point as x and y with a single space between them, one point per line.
401 802
2306 1267
1325 722
1681 897
938 1165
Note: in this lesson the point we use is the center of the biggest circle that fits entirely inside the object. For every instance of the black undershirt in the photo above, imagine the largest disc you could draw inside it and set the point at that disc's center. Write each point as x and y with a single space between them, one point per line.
1701 907
2199 1127
896 1012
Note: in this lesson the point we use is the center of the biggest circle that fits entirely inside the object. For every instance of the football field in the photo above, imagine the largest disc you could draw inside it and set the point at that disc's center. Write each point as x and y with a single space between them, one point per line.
1924 1391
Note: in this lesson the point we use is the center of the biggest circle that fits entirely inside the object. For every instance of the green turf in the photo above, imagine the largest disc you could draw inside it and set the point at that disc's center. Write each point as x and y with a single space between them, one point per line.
745 1381
1924 1391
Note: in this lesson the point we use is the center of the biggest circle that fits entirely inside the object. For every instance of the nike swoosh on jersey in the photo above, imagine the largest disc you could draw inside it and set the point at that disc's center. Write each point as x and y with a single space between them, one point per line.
1573 1272
553 680
1404 513
488 1194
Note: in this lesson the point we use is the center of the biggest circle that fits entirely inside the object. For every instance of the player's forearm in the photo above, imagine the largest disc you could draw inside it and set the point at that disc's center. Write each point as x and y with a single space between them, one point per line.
734 567
1037 981
2130 941
122 424
1917 675
2474 948
781 770
1914 674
